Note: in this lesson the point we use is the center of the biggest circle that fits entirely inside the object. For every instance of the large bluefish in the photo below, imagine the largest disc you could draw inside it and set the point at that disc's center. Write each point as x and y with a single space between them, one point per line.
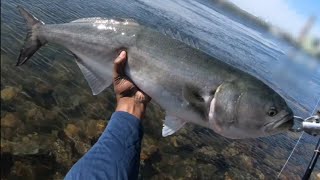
189 84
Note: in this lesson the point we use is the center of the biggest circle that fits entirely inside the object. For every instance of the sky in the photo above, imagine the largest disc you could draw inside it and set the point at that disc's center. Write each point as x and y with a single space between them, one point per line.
288 15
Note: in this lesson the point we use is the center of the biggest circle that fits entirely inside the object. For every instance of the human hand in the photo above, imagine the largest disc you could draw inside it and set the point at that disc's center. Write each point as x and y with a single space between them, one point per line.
129 98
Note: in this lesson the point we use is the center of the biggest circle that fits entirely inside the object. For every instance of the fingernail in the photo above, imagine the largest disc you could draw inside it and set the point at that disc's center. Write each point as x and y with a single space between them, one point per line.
122 54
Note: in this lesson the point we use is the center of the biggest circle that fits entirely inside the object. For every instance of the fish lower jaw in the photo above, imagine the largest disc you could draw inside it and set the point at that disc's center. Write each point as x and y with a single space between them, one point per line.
287 124
283 124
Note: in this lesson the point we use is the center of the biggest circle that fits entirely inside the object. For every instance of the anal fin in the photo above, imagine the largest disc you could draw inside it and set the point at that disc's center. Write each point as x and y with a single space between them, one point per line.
171 125
96 82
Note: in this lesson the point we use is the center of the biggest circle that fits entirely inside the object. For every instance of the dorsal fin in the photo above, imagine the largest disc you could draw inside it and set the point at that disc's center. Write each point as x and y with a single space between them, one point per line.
177 35
105 20
85 20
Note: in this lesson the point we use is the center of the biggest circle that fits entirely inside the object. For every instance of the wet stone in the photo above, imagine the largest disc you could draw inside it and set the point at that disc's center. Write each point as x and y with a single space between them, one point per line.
71 131
43 88
205 171
246 161
161 177
149 148
26 145
35 115
9 93
230 151
98 110
259 174
10 120
62 75
290 176
235 173
63 153
57 176
7 133
280 153
32 144
81 147
207 151
274 162
22 170
94 128
81 134
6 146
10 125
41 119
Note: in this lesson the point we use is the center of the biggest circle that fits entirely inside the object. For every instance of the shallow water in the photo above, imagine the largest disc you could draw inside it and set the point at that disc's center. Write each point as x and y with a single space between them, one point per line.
49 118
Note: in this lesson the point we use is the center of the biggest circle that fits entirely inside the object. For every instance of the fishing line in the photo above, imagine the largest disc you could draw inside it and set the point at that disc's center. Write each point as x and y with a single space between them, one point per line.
297 142
290 155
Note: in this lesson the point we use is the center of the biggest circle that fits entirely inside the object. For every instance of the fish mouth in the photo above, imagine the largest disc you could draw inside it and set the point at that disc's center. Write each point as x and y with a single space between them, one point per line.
286 122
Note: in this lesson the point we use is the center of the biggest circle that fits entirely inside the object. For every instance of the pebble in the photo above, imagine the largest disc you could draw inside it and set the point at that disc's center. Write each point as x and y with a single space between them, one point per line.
71 130
8 93
10 120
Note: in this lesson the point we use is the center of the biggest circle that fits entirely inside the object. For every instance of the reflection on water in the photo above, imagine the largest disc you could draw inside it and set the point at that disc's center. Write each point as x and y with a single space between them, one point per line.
49 118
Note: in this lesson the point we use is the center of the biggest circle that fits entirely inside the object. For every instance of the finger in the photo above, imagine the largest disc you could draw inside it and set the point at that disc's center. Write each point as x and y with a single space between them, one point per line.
147 97
119 65
142 97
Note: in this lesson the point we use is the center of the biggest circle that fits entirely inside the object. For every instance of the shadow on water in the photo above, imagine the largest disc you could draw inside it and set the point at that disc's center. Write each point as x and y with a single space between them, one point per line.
49 118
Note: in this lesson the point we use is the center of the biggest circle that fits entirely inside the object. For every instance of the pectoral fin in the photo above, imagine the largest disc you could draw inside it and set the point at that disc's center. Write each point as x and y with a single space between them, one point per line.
193 95
171 125
196 100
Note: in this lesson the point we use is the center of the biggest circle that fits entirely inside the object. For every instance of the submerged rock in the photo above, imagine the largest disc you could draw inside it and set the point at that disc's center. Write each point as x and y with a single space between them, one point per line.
10 120
63 153
206 171
71 131
40 119
43 88
30 144
246 161
22 170
57 176
259 174
91 129
235 173
35 115
8 93
81 147
148 152
270 161
10 125
5 146
76 139
94 128
230 151
207 151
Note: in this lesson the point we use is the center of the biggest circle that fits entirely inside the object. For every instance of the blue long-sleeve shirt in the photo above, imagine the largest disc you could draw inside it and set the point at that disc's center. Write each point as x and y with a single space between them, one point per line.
116 155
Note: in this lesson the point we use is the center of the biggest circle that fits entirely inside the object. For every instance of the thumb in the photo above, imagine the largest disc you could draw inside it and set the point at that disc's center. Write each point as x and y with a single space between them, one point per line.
119 64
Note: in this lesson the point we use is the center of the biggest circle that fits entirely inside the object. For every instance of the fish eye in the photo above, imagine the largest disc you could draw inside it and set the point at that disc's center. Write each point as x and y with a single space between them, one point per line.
272 111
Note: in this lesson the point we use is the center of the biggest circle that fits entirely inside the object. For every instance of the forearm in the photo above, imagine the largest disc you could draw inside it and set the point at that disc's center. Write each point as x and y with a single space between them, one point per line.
116 155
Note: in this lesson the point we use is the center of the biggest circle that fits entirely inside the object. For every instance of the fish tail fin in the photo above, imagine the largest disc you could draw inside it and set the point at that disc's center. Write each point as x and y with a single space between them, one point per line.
32 42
